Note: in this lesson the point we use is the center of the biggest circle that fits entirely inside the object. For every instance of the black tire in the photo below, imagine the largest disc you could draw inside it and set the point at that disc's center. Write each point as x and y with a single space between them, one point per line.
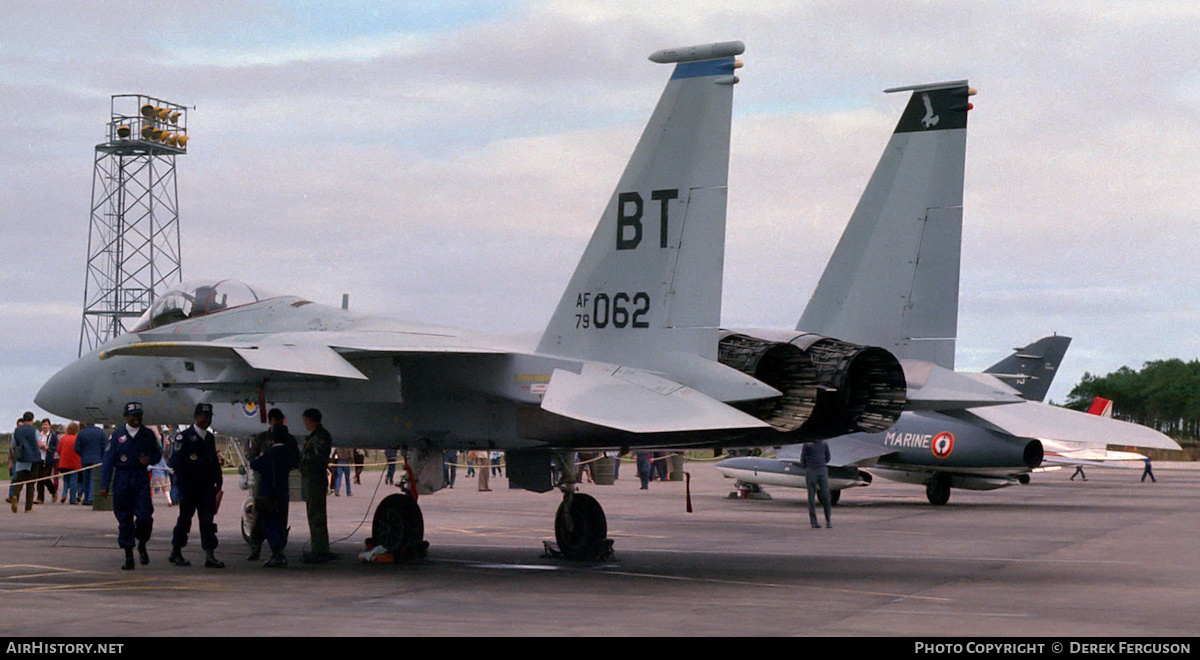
580 527
245 521
938 491
834 497
398 523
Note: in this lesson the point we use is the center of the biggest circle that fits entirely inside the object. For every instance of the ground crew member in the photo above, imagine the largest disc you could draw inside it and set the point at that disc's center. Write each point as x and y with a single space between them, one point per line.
131 450
259 444
273 467
814 458
198 476
314 471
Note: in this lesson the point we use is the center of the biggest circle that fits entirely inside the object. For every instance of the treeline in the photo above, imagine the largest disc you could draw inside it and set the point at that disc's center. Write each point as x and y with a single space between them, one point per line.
1163 394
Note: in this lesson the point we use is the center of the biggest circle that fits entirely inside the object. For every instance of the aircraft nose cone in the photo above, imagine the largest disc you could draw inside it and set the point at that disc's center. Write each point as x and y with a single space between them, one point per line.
64 393
49 397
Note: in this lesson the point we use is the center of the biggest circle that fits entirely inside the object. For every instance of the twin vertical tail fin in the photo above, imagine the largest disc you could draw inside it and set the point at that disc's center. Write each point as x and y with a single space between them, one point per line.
893 279
1030 370
650 279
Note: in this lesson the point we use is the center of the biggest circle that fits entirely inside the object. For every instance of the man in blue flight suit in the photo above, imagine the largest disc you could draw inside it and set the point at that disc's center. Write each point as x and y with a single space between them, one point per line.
814 458
273 467
130 451
198 475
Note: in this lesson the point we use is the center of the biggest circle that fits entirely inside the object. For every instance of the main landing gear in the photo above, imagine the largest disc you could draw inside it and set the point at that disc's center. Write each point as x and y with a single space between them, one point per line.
937 490
580 526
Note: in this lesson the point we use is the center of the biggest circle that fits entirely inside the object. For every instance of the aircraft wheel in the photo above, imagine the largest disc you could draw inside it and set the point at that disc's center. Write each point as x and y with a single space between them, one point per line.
398 524
580 527
834 497
938 491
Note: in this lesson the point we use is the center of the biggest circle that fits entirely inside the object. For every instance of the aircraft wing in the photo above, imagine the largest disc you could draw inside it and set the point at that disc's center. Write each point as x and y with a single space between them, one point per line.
938 389
1075 453
638 402
305 358
309 354
1032 419
1124 461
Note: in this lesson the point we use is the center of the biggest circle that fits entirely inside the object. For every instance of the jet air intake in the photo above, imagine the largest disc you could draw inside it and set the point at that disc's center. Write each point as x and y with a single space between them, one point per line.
830 387
1033 454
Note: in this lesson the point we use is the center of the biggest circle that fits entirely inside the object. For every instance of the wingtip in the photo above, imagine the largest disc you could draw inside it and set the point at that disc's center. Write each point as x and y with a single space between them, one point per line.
926 87
697 53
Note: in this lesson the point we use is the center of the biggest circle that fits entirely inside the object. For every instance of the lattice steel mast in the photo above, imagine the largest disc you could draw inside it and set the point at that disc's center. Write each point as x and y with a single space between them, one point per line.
133 240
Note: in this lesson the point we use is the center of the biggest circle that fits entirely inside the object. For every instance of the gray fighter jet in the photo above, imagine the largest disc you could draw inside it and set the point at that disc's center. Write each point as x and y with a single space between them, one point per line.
893 282
629 358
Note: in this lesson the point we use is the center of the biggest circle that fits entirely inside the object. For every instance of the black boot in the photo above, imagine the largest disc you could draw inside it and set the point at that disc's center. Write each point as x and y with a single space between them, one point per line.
128 566
143 556
210 561
255 553
177 559
277 560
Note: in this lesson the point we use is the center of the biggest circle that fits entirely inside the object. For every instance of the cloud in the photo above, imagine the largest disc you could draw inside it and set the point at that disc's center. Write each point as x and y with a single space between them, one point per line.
450 166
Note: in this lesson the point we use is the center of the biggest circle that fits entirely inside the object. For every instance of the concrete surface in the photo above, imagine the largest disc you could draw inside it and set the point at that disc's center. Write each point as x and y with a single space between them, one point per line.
1106 557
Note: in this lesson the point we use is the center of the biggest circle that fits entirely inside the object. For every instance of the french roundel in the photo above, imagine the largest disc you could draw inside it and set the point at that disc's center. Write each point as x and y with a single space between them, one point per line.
942 445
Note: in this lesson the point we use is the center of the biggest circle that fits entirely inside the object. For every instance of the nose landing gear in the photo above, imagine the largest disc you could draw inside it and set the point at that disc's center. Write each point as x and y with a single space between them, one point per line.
399 526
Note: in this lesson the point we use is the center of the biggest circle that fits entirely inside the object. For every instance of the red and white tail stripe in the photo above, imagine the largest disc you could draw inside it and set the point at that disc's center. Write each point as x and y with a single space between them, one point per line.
1101 407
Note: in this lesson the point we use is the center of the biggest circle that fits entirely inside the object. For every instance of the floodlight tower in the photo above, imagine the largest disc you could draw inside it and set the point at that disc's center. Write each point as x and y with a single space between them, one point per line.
133 241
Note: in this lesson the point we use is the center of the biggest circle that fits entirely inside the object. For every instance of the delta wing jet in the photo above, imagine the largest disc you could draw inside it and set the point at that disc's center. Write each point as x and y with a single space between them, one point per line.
893 282
628 359
1080 453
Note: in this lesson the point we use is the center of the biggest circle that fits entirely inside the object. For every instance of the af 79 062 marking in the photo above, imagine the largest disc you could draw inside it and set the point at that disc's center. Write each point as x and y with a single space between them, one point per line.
620 310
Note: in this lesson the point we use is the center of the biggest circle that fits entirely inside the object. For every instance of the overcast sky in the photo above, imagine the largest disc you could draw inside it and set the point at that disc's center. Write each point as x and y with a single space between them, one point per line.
447 162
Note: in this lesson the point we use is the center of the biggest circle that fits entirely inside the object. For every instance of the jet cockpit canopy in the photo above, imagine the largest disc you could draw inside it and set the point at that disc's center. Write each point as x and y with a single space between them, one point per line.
196 298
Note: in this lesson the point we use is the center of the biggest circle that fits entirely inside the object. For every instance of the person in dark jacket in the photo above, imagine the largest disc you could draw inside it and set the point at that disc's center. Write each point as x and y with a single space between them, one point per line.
1147 472
198 474
258 445
131 451
814 458
26 459
643 468
89 444
273 467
